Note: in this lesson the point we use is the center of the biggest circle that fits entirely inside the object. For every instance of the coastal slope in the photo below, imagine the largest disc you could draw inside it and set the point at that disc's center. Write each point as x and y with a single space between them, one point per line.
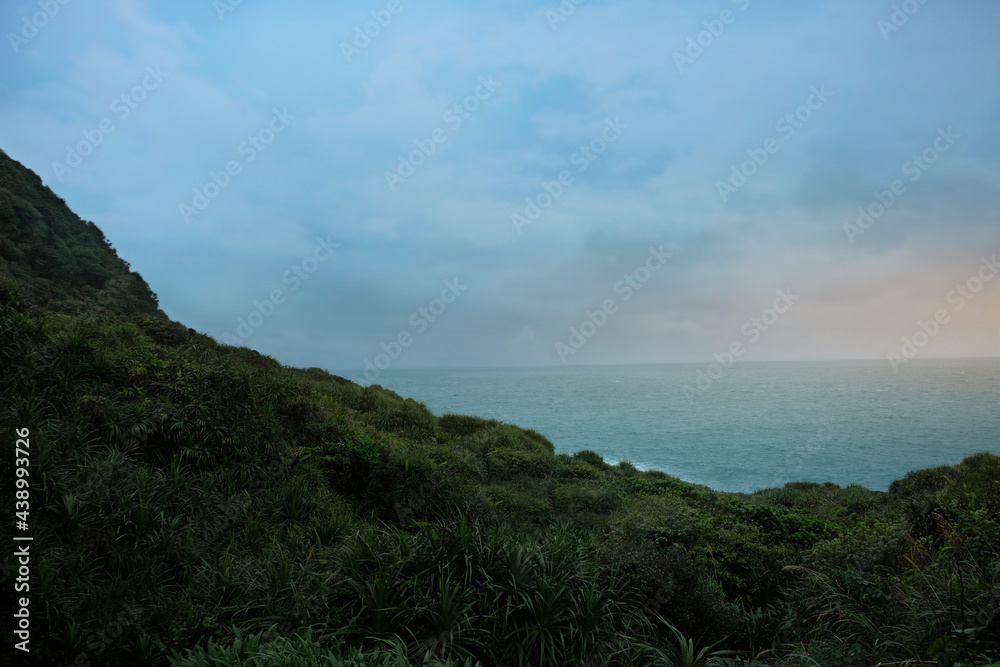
195 503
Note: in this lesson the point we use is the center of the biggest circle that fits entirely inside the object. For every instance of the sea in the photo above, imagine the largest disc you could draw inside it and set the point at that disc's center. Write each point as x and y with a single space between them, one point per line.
750 426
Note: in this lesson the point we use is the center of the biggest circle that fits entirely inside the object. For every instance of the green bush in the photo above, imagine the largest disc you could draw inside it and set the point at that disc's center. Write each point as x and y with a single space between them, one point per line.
463 425
591 458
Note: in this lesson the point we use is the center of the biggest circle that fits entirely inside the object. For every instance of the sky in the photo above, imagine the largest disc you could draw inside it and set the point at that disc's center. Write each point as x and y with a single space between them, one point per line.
390 184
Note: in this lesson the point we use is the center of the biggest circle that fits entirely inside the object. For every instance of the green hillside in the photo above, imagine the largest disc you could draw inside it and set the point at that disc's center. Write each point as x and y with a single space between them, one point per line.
60 261
194 503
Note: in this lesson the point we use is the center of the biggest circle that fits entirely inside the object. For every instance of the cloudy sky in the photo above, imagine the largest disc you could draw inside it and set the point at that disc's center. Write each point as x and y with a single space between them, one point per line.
308 176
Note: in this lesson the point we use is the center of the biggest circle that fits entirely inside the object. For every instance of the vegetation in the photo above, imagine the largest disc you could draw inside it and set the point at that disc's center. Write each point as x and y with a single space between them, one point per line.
55 258
201 504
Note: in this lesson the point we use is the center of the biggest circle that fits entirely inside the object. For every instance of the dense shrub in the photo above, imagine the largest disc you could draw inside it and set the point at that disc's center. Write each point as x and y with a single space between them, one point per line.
592 458
196 493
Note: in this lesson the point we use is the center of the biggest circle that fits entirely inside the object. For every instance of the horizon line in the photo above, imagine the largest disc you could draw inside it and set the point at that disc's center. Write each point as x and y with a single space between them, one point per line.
391 371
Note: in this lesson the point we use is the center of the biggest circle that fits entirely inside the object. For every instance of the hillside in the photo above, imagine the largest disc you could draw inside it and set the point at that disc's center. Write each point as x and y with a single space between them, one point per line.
194 503
59 260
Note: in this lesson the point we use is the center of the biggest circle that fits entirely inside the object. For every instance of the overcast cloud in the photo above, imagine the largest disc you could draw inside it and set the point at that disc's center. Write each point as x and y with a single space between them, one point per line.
274 146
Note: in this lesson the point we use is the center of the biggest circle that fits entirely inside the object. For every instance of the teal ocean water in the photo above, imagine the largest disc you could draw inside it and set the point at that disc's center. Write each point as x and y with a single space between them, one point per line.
759 425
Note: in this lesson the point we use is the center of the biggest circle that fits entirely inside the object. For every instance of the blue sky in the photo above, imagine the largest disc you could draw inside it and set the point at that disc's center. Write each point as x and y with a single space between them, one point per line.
235 153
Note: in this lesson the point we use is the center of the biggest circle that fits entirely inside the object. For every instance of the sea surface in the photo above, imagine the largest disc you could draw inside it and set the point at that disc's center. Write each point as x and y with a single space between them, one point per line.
759 425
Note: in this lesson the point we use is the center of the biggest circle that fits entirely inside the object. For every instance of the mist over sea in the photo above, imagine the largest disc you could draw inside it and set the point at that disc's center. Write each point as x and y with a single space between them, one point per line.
760 425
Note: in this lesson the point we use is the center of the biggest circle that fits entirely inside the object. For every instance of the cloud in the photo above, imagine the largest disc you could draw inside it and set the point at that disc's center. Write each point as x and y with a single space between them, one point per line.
325 175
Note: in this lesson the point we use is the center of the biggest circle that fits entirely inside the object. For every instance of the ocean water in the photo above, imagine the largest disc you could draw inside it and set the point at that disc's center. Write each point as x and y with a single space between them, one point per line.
760 425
